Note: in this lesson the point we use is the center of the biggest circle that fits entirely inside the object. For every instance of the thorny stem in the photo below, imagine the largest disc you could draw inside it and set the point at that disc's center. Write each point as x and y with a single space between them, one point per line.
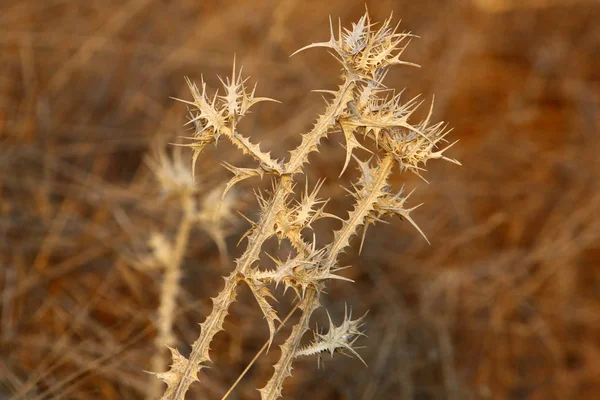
168 294
283 369
311 140
262 231
211 325
361 210
310 302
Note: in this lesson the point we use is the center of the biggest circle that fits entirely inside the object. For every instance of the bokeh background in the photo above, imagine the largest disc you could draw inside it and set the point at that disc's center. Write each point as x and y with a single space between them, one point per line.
504 303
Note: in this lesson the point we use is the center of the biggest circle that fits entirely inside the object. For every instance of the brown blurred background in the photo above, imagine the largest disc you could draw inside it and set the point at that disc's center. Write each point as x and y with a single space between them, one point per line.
505 302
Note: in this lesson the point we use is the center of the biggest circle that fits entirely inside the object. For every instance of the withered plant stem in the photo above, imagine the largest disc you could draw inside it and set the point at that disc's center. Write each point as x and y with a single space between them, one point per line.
169 290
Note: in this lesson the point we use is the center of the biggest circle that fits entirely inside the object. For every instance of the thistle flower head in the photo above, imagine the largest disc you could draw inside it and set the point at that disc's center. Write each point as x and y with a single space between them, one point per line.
300 272
365 50
212 114
300 215
386 120
219 115
237 99
412 148
173 174
338 339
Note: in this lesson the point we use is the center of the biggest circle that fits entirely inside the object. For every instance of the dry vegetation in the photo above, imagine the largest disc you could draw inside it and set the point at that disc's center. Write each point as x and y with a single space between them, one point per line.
504 304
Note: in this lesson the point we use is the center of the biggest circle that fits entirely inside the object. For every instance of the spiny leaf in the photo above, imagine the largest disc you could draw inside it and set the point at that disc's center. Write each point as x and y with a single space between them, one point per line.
394 204
175 375
262 294
266 162
240 174
351 144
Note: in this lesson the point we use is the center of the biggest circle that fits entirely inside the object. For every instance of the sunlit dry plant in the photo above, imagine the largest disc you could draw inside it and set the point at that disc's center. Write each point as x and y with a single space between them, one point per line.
362 106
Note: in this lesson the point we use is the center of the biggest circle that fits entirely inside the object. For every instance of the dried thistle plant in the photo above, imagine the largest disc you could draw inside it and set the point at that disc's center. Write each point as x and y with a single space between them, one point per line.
205 210
361 106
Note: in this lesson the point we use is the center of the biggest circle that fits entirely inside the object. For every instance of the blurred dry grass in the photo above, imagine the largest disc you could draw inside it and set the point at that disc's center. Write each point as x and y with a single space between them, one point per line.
505 303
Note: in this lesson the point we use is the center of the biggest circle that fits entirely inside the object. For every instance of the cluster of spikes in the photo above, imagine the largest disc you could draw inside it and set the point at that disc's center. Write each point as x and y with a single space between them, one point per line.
338 339
219 116
373 119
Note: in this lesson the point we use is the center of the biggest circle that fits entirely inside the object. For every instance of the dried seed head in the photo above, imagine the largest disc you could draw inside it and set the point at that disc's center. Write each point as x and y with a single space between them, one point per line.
338 339
219 115
300 215
237 99
300 272
365 50
173 174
